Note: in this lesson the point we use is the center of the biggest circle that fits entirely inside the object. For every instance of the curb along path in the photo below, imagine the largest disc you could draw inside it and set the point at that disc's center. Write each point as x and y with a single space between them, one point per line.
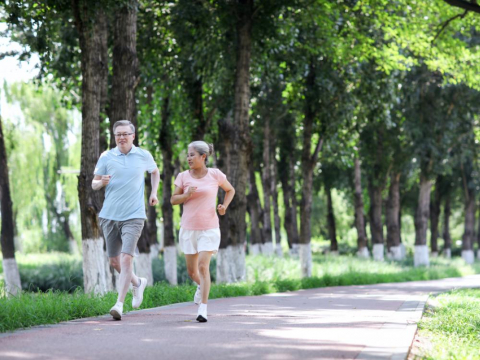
348 322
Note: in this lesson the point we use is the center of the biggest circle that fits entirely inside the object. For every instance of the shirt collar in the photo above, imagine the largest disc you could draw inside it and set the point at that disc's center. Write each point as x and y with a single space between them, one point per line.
117 152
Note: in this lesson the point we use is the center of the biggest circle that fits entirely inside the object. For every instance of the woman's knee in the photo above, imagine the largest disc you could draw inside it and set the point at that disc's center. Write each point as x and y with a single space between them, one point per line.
191 273
203 268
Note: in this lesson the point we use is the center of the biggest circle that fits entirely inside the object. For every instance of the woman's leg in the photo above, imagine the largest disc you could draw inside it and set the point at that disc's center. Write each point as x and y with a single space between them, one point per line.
192 267
204 270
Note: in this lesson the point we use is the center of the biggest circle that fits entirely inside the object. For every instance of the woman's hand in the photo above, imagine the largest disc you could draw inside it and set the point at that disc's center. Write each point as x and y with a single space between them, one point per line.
221 209
191 190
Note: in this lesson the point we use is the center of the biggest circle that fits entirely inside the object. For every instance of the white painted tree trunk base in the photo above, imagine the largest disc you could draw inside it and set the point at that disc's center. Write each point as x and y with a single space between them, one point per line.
13 285
420 256
225 270
397 254
73 247
238 253
267 248
255 249
143 267
94 267
333 253
447 253
403 251
434 254
112 277
305 252
378 252
170 263
278 251
294 251
468 256
363 253
154 251
478 254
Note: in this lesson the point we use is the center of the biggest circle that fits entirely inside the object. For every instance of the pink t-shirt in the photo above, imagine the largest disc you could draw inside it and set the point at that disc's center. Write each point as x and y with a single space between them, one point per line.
199 212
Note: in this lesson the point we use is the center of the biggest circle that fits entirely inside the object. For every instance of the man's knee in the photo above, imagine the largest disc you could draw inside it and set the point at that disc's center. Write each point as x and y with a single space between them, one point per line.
126 259
114 262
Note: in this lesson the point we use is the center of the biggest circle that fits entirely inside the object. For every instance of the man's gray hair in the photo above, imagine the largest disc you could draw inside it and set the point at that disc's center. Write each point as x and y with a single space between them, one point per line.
123 123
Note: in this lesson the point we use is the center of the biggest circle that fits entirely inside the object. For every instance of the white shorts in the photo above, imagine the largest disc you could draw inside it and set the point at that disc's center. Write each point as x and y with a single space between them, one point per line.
195 241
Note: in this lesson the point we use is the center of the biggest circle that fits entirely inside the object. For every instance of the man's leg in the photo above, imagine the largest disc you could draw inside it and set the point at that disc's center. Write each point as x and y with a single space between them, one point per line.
126 276
115 263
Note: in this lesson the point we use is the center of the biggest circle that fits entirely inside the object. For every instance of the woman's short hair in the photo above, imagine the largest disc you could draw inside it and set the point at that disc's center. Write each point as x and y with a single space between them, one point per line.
202 148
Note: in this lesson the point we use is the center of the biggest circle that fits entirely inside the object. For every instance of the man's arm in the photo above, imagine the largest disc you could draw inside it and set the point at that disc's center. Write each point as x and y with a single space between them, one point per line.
155 180
99 181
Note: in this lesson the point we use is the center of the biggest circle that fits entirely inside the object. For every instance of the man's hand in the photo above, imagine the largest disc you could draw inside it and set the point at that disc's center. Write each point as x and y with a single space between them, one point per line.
221 209
106 179
153 200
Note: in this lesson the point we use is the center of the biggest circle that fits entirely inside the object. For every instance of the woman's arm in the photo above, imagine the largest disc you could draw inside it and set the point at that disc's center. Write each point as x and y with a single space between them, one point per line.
229 194
179 197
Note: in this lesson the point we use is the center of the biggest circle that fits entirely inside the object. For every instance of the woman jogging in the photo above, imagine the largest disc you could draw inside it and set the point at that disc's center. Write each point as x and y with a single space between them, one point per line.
199 237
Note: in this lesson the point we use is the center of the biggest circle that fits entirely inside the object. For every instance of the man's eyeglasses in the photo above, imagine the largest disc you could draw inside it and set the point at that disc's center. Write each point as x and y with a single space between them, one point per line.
124 135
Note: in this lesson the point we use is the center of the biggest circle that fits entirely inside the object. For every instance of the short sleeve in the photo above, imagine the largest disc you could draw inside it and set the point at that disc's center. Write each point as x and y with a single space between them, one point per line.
101 167
151 165
220 176
179 181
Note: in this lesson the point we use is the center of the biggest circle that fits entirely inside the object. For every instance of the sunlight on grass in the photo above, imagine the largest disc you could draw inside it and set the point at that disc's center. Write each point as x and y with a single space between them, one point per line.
453 325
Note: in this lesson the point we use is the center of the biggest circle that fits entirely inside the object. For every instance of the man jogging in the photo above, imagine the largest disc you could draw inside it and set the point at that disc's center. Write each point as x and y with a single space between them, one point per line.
122 171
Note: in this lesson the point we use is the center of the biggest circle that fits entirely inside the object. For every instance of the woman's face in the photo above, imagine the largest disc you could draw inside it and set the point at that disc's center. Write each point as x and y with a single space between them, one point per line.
195 160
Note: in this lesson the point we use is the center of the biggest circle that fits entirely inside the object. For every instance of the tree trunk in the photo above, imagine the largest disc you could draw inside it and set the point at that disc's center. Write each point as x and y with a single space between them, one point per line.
103 85
421 222
469 233
274 192
239 156
125 67
447 239
13 285
478 239
308 162
359 215
332 229
435 216
166 145
376 226
91 35
225 265
393 211
255 211
287 178
267 246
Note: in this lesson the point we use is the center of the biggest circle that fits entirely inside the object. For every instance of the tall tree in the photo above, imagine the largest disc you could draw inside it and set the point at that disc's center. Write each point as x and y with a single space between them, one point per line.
10 267
91 22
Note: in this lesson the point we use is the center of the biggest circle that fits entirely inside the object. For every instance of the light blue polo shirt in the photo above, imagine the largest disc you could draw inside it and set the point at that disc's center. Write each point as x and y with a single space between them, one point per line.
124 194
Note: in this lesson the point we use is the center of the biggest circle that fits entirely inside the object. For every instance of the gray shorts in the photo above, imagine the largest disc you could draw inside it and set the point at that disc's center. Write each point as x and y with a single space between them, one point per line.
121 236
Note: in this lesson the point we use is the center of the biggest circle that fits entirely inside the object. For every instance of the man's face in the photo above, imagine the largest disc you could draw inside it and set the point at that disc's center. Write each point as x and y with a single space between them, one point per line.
124 137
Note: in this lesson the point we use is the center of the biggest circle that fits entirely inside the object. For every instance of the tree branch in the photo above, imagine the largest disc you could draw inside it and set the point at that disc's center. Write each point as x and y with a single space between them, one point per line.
463 4
446 23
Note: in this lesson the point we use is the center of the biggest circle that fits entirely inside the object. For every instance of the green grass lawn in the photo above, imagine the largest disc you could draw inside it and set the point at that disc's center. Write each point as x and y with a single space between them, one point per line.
264 275
451 323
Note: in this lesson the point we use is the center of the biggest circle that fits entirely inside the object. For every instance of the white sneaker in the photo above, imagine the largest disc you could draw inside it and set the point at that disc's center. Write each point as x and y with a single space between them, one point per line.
138 293
197 299
202 313
116 311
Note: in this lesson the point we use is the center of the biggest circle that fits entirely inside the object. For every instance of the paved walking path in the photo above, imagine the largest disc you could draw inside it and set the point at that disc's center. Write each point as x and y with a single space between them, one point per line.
349 322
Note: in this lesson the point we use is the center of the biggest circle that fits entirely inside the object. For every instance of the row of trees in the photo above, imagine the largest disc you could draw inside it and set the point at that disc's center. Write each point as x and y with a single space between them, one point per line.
296 95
